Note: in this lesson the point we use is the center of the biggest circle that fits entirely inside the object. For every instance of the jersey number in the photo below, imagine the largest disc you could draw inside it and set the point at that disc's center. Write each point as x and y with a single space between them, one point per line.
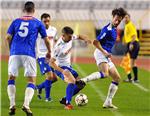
23 30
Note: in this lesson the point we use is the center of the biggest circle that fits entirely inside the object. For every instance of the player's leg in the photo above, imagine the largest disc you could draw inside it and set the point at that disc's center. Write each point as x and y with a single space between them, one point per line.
13 66
112 88
29 92
79 84
134 55
69 90
11 90
50 78
70 80
30 71
97 75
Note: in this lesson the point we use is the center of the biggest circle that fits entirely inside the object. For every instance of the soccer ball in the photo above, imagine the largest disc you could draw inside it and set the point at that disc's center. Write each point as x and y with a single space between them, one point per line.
81 99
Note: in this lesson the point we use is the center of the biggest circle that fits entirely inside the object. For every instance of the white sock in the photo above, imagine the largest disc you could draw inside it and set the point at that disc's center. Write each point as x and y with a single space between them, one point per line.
93 76
11 90
29 92
111 92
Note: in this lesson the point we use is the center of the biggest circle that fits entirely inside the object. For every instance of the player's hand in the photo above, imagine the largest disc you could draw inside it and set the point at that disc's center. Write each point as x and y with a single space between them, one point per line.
88 41
48 56
106 54
131 47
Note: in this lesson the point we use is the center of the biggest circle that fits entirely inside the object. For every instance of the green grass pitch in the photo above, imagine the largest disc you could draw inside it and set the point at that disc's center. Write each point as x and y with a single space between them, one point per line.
131 100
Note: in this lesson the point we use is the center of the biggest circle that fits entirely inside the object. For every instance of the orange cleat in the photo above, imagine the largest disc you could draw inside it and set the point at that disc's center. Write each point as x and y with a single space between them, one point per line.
68 107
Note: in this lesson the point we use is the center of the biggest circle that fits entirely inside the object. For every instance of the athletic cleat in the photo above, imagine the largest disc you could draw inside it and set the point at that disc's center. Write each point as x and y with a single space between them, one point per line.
48 99
63 101
128 80
12 111
110 106
39 92
136 81
68 107
27 111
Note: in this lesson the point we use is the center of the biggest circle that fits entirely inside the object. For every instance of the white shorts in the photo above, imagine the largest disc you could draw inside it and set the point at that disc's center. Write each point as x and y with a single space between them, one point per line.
100 58
18 61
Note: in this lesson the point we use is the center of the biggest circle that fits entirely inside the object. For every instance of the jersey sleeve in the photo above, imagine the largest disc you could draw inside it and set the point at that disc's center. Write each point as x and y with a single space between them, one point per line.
11 29
42 30
74 37
102 35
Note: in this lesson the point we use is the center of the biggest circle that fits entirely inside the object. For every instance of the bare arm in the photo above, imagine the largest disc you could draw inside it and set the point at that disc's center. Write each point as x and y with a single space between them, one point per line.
48 45
53 64
84 38
97 44
8 39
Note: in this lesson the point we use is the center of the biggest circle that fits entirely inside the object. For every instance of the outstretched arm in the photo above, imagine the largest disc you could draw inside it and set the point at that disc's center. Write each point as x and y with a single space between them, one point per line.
84 38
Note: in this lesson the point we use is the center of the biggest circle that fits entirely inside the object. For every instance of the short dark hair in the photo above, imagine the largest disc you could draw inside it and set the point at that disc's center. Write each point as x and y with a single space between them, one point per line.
67 30
128 14
29 7
119 11
45 15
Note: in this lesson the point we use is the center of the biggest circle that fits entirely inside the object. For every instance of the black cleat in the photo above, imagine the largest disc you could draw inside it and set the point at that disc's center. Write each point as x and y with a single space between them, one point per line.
63 101
12 111
27 111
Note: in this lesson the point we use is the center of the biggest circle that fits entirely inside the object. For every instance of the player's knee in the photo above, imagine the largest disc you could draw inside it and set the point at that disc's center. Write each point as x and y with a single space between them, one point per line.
117 78
11 77
70 80
106 74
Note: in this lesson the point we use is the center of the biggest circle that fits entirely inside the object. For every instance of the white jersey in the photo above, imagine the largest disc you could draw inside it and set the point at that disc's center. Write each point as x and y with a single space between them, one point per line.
40 45
62 52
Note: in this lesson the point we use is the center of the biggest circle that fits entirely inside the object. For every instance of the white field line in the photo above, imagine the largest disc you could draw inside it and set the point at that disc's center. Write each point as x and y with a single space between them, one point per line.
97 90
141 87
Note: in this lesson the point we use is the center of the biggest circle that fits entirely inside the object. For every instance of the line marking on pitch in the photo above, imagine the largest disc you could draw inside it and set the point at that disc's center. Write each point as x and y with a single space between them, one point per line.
97 90
141 87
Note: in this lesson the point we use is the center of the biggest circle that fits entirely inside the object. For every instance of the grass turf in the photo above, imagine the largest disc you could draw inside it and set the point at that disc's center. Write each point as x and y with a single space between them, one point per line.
130 99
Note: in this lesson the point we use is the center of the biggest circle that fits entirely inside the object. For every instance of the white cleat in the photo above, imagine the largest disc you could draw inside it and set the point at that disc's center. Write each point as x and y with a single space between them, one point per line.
110 106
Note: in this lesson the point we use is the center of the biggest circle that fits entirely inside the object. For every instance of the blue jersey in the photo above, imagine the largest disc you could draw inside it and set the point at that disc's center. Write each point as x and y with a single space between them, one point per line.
24 32
107 37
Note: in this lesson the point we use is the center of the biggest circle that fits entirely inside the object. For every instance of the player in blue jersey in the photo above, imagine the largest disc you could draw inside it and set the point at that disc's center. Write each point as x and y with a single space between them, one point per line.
104 43
21 37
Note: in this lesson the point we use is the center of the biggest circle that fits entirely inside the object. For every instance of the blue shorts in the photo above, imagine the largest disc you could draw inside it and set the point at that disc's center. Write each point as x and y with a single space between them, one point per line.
44 66
73 72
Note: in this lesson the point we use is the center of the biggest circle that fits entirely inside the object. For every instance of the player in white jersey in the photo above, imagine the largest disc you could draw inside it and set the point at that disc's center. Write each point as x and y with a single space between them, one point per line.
60 61
45 68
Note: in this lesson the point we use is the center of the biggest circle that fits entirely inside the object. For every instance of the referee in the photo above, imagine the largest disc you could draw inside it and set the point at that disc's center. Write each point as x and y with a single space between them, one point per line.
132 42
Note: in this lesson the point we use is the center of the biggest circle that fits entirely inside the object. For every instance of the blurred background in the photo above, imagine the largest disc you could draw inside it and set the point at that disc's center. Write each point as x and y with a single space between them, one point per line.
85 17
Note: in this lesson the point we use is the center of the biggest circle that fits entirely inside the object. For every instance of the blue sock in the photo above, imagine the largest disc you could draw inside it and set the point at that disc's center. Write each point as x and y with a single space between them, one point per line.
47 84
69 92
31 85
41 86
76 90
11 82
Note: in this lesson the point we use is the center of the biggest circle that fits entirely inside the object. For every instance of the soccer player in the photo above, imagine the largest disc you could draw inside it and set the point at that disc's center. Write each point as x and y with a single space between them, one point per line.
42 61
104 43
21 37
61 62
133 47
